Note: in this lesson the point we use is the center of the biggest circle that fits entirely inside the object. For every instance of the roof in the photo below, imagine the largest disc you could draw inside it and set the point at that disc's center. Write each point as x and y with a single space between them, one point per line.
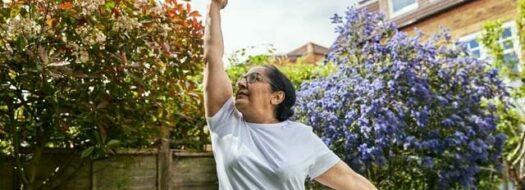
307 48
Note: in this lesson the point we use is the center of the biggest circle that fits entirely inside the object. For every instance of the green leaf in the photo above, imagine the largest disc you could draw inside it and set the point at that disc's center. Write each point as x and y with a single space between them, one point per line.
15 11
23 12
6 12
109 5
87 152
113 143
21 43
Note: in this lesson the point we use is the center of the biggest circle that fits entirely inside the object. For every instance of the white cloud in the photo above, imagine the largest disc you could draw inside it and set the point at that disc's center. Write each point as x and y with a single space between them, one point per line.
287 24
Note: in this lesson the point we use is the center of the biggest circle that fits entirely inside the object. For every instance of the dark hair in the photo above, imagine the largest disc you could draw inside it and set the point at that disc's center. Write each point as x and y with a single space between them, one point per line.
282 83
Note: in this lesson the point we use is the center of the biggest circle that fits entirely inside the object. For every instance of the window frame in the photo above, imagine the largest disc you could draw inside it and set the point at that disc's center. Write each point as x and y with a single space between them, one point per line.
403 10
515 41
481 48
484 51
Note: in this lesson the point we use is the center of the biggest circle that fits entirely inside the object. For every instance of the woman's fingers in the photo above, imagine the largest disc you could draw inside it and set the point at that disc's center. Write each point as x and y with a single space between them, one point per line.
221 3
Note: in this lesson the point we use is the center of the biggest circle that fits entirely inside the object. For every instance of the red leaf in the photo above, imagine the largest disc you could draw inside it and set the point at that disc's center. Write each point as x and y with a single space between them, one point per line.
65 5
103 104
179 8
103 133
166 48
195 14
170 14
116 12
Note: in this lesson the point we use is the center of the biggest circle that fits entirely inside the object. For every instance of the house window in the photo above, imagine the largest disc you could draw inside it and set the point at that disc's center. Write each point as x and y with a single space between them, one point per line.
509 42
398 7
474 46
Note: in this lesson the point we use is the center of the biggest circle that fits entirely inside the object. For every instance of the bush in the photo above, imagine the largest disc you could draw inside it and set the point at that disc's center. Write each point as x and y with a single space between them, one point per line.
94 75
406 114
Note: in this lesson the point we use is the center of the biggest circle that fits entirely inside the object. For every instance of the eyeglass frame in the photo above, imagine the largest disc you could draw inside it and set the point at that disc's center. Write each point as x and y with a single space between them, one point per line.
256 79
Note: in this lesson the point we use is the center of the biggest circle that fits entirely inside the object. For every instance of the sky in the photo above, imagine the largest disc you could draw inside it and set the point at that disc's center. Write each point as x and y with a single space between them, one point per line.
285 24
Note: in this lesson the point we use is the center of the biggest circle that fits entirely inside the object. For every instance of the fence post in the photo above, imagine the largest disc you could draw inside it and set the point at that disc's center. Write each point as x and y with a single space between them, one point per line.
164 160
92 179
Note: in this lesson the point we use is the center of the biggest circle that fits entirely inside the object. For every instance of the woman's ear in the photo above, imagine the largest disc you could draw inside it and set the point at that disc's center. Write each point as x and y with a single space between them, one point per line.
277 97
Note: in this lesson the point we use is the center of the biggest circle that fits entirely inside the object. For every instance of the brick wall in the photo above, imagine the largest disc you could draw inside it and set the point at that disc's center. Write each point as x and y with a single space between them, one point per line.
468 18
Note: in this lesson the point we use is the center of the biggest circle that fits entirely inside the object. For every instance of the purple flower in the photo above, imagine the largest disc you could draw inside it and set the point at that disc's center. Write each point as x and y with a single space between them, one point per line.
427 162
336 19
395 97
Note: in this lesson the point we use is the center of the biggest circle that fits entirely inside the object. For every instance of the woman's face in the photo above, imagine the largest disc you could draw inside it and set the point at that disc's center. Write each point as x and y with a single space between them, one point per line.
254 94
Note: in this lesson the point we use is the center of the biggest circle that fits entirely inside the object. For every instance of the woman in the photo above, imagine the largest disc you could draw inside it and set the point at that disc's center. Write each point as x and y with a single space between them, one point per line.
254 143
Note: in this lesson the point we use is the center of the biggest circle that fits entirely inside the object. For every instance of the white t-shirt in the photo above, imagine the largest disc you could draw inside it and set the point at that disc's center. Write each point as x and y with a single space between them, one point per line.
265 156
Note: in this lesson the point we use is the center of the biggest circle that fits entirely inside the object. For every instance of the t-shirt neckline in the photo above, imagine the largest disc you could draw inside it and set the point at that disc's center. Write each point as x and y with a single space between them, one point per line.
266 125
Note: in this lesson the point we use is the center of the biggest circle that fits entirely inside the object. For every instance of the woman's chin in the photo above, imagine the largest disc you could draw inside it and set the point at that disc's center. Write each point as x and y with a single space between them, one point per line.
240 103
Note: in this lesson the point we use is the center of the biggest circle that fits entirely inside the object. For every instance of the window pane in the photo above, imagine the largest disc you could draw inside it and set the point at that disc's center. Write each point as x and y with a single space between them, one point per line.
507 44
511 61
472 44
476 53
473 48
400 4
507 33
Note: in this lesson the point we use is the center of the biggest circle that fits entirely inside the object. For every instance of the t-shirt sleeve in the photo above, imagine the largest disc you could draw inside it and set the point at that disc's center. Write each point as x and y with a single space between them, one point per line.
323 158
224 117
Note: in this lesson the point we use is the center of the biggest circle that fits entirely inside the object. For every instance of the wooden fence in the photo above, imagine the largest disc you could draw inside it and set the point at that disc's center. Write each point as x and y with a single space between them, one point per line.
134 170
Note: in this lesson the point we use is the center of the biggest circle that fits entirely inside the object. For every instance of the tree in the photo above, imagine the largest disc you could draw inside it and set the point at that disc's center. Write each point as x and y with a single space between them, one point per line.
93 75
512 120
406 114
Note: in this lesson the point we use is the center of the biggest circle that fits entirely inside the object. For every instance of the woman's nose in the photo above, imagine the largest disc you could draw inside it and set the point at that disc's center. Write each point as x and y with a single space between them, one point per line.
242 83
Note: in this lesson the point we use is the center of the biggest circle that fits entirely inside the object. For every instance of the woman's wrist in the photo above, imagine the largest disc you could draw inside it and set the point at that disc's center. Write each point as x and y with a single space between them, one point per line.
215 5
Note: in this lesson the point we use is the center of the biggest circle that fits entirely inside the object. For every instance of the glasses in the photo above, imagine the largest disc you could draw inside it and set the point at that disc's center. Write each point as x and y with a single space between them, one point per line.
255 77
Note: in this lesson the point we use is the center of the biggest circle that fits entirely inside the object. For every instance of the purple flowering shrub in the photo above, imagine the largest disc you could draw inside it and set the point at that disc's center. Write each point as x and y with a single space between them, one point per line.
406 114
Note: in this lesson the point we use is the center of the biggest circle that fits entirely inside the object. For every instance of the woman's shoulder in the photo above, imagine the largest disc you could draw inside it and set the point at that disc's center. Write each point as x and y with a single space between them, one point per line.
307 135
300 126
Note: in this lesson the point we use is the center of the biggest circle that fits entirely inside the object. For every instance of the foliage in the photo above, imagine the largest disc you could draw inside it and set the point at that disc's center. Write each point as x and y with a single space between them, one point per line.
492 32
301 72
297 72
94 75
250 55
512 120
422 109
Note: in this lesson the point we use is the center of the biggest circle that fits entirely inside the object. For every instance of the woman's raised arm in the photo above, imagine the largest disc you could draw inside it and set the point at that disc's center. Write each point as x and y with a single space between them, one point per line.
217 85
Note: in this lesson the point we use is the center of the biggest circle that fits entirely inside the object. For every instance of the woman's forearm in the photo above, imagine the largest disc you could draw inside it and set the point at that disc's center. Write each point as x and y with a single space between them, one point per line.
213 42
342 177
360 182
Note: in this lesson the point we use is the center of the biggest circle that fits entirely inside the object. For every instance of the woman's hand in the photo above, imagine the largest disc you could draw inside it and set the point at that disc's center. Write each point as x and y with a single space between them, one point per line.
221 3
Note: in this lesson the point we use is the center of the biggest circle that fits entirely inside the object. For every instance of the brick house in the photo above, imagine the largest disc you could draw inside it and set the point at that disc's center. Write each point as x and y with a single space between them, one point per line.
310 53
463 18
